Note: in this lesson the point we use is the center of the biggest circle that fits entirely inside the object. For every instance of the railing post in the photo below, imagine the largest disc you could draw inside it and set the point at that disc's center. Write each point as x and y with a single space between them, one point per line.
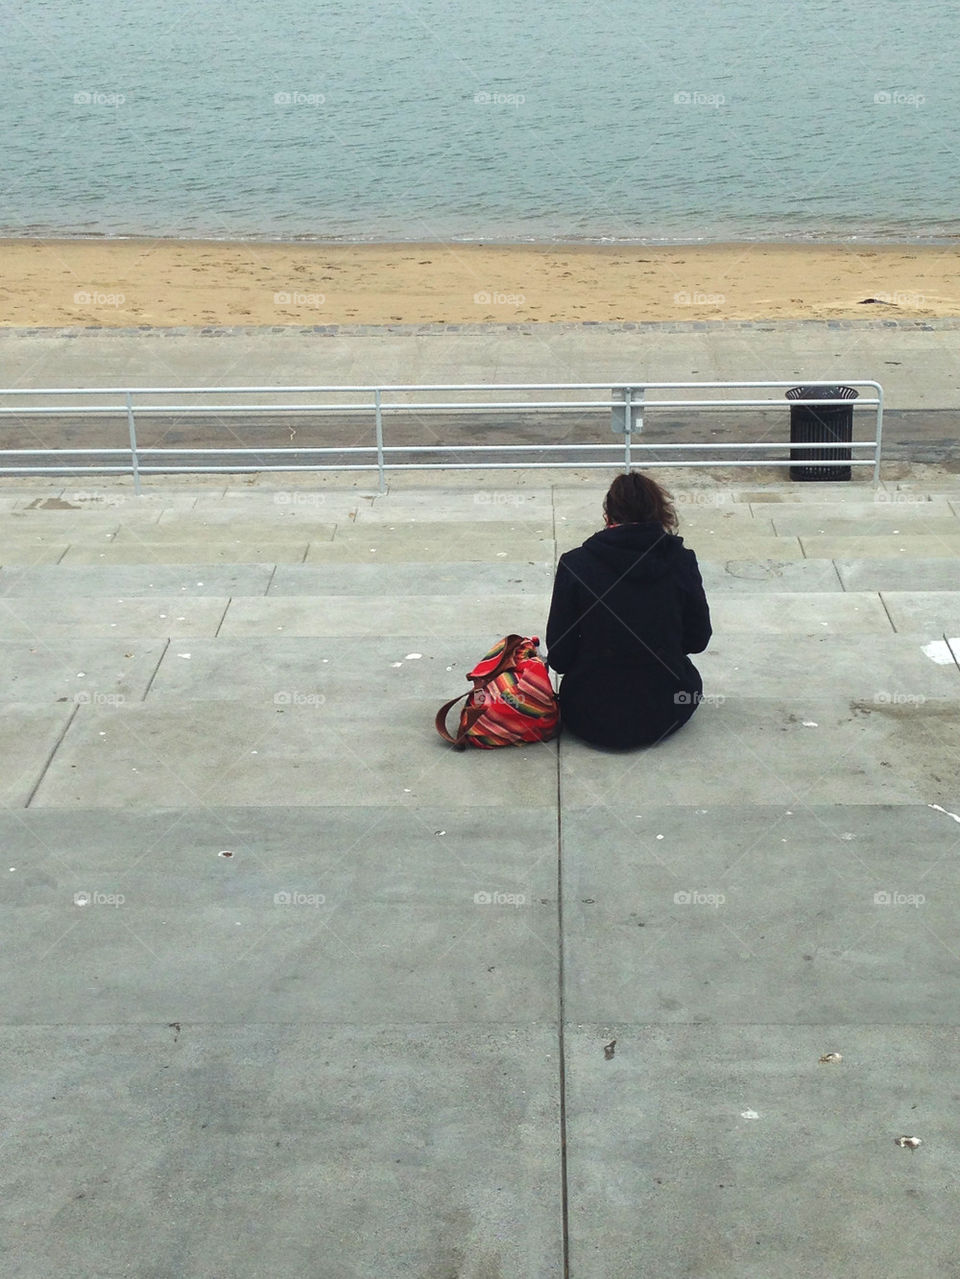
379 421
876 456
627 427
134 458
638 404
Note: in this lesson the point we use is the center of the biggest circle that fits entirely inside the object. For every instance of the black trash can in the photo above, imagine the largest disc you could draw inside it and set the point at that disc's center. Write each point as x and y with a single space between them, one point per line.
821 424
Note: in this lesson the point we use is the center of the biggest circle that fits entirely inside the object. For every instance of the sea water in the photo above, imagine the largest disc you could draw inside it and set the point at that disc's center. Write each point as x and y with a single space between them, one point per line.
607 120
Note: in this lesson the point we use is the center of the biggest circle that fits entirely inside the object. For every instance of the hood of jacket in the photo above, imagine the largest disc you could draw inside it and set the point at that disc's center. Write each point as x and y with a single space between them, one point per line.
638 552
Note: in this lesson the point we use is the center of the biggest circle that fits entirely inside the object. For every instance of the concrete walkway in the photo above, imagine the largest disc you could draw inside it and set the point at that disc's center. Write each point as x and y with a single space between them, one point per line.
918 365
292 989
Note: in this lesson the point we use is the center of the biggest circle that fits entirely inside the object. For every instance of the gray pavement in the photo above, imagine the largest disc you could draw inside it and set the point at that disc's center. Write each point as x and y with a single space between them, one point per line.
918 364
292 989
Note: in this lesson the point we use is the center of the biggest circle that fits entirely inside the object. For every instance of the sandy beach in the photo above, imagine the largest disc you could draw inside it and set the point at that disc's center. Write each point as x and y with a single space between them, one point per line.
125 283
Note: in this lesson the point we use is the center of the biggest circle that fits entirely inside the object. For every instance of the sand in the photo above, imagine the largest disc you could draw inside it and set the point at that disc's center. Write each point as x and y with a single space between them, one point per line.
125 283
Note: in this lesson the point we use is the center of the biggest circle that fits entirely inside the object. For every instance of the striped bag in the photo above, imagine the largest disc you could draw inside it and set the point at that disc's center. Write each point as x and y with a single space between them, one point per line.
512 700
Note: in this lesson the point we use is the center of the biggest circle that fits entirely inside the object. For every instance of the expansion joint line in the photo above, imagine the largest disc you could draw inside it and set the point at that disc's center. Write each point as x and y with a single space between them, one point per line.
561 1043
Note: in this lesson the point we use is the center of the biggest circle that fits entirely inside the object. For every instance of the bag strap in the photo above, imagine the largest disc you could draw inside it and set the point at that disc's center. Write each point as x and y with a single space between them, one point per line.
511 644
441 720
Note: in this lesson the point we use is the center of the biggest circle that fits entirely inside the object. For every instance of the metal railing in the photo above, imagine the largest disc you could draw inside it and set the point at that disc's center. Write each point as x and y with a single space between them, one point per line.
625 407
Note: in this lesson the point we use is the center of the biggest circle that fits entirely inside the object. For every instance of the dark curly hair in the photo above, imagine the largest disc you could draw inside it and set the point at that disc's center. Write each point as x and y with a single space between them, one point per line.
636 499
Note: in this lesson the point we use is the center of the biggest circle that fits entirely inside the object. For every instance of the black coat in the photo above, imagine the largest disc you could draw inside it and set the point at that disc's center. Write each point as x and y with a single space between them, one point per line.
628 606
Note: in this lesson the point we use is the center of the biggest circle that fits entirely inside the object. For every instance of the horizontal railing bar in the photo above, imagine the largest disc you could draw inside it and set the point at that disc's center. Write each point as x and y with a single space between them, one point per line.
532 466
72 452
392 449
766 444
563 406
372 466
254 449
425 386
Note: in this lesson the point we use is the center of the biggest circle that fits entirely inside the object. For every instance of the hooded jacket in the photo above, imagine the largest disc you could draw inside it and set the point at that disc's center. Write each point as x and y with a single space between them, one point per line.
628 606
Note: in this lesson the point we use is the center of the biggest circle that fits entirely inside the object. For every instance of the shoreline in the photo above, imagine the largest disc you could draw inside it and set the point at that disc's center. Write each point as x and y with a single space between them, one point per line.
113 282
492 242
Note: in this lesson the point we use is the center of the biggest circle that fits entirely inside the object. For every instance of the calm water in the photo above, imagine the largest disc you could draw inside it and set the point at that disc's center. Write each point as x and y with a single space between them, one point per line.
441 119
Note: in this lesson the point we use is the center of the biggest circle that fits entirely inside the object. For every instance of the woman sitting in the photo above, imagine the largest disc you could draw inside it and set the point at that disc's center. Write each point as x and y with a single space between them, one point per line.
628 606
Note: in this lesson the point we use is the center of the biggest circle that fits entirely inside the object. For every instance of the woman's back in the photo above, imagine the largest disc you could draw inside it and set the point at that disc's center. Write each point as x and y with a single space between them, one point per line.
628 606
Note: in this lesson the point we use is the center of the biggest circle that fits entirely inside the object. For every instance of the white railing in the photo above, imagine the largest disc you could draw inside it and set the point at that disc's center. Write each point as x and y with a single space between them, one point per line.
625 406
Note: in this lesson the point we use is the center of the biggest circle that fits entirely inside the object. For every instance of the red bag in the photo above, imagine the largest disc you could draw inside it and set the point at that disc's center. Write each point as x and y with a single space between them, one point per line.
512 700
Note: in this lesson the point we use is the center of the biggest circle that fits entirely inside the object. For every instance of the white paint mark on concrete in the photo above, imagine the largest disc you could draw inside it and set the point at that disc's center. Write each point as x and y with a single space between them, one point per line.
749 1114
945 812
938 651
413 657
810 723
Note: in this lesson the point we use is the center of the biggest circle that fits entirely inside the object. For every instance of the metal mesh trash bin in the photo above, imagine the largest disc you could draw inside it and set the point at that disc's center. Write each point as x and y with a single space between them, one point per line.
821 424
